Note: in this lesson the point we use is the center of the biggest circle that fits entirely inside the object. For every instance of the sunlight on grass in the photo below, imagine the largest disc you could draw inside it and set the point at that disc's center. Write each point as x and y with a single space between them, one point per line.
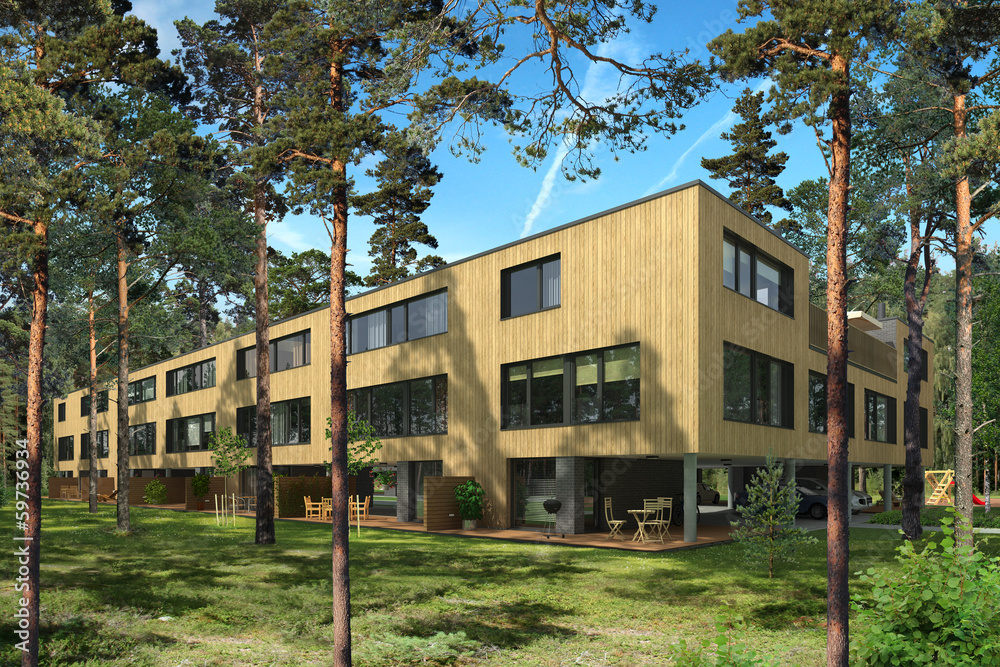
181 591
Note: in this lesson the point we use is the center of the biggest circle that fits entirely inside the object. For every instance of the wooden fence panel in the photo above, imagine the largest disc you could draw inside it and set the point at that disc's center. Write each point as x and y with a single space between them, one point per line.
440 508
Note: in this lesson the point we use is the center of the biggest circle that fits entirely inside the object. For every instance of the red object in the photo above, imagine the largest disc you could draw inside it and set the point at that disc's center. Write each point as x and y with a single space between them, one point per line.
976 500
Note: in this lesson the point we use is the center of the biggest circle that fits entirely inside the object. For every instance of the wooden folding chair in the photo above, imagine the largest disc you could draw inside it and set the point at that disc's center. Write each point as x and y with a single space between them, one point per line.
653 521
666 515
313 510
101 498
615 525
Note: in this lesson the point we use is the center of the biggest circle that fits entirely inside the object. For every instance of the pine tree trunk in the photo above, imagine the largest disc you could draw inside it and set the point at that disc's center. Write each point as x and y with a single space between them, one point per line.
836 303
92 457
265 470
124 523
33 484
338 399
963 341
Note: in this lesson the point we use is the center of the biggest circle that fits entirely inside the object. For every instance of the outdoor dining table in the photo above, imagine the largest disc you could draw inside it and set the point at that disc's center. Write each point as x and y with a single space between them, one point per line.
640 533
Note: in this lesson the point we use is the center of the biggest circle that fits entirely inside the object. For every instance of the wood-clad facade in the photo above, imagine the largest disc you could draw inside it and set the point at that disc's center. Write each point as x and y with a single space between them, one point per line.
650 274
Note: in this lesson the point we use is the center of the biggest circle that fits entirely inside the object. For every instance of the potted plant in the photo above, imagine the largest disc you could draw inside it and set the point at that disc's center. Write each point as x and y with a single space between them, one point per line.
469 497
199 487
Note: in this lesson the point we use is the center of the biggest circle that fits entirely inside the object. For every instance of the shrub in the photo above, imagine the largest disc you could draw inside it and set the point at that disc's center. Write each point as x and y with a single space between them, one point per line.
469 497
938 609
155 493
766 529
725 650
932 516
199 485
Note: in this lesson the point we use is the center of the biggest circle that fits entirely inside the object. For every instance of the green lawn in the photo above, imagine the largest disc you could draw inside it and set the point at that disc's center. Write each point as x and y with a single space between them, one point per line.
415 597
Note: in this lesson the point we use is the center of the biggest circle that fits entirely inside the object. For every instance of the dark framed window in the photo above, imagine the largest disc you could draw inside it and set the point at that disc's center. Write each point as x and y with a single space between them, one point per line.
141 391
531 287
582 388
142 439
61 408
756 388
102 445
102 403
290 422
283 353
64 450
190 434
191 378
923 359
411 407
752 273
399 322
880 417
817 404
923 425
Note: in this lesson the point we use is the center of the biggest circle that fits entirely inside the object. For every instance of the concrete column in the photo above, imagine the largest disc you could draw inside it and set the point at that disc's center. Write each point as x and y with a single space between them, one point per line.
690 497
886 487
730 489
168 472
569 489
405 508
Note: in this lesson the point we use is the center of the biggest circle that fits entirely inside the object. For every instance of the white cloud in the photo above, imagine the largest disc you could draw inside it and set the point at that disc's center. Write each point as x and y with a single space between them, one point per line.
289 237
717 128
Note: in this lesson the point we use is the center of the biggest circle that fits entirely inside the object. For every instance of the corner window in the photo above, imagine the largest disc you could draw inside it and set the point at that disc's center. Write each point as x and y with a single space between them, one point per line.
141 391
529 288
411 407
583 388
756 388
284 353
65 448
102 445
142 439
747 270
191 378
817 404
397 323
190 434
880 417
291 423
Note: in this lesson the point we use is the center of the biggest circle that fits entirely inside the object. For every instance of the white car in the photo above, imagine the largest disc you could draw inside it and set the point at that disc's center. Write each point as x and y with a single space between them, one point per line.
812 486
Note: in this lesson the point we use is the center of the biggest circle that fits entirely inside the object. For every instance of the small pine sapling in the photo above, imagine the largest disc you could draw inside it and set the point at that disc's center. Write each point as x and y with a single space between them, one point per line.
767 528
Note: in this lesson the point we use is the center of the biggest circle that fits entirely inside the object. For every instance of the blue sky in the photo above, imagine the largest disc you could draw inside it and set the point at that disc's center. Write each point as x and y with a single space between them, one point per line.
480 206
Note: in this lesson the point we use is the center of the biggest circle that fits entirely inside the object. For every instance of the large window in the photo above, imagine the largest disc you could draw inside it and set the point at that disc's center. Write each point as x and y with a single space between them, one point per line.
191 378
531 287
588 387
142 439
102 403
412 407
284 353
102 445
880 417
906 360
190 434
290 423
65 448
141 391
817 404
756 388
924 435
747 270
398 323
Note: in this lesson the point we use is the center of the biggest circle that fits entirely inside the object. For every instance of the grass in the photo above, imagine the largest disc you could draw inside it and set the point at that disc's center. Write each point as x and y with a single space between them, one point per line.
181 591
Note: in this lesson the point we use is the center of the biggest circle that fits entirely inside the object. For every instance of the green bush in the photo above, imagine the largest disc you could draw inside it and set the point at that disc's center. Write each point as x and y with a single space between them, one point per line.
199 485
725 650
932 516
939 609
155 493
469 496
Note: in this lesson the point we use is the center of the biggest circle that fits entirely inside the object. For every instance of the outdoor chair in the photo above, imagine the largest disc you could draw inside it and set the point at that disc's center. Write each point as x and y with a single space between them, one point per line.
654 520
666 515
615 525
101 498
313 510
327 507
357 506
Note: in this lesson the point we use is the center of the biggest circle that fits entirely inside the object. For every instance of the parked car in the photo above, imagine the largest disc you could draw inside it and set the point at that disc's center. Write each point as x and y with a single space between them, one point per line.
707 494
814 498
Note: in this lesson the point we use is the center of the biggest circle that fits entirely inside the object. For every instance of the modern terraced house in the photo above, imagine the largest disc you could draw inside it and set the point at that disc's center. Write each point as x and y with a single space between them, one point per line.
615 356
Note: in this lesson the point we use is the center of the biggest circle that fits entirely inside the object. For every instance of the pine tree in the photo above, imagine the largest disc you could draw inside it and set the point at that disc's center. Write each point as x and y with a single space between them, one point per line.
405 178
299 282
750 170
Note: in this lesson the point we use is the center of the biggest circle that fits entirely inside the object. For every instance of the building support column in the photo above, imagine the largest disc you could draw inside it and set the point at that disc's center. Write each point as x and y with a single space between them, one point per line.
887 487
790 465
569 490
405 511
690 497
730 488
